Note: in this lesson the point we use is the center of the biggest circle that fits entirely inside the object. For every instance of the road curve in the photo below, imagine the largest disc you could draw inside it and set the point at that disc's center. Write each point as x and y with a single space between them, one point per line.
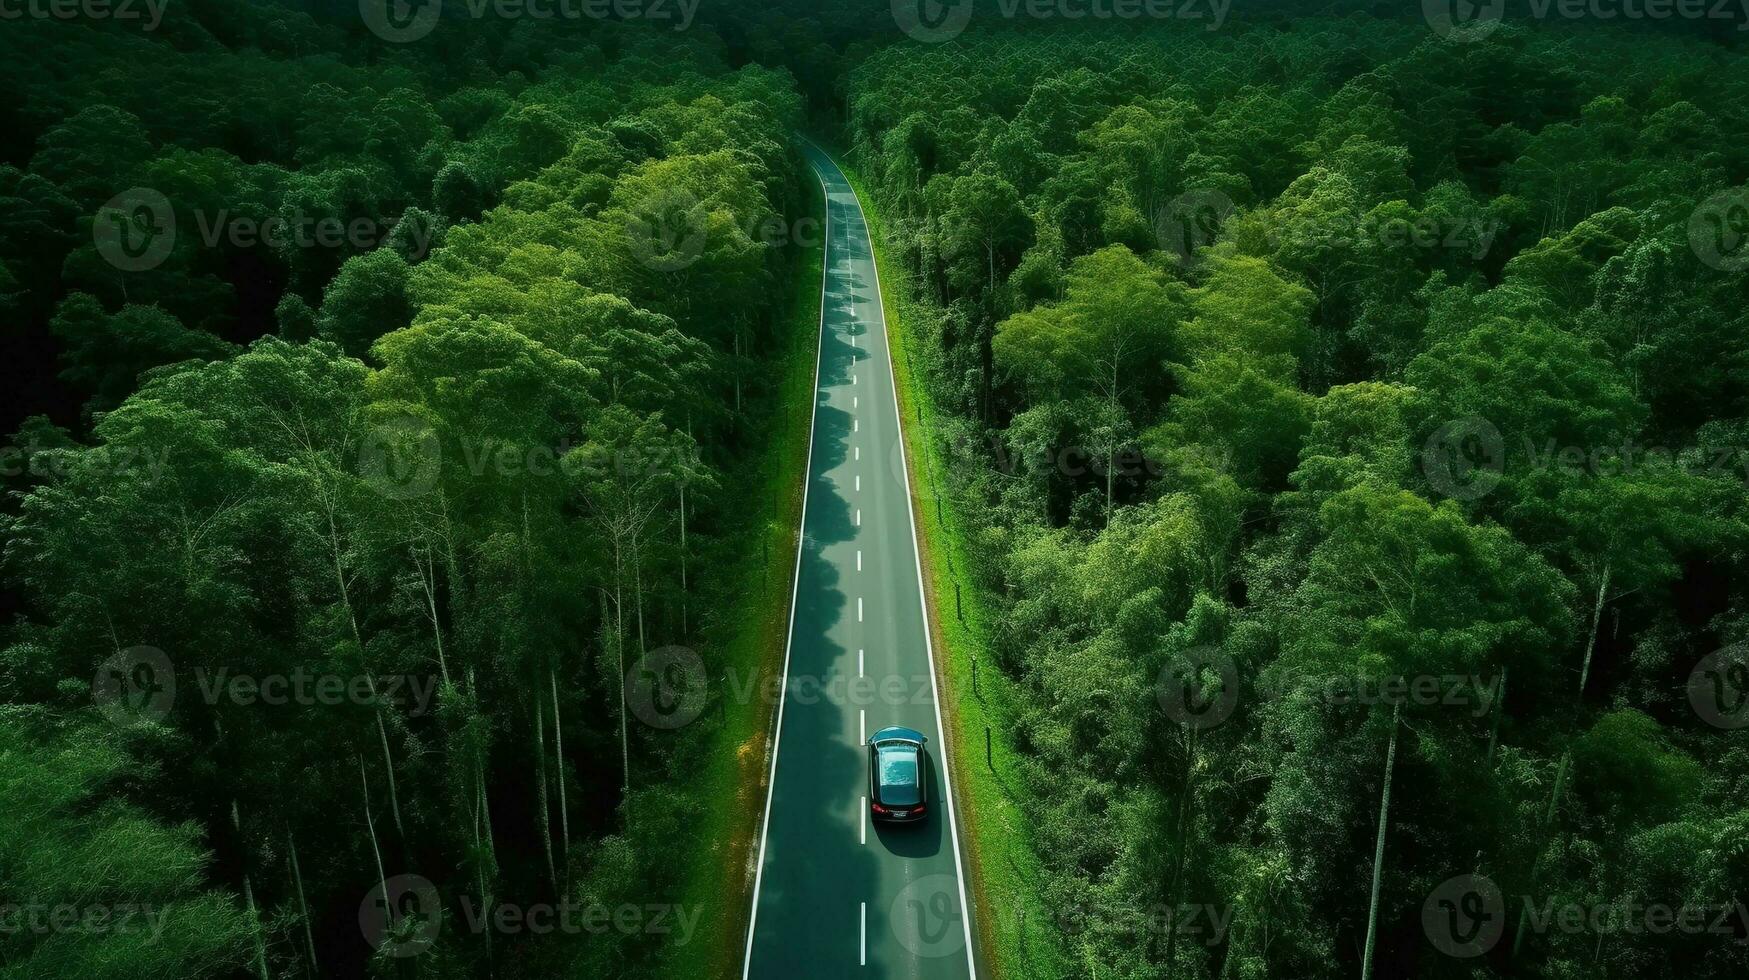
834 895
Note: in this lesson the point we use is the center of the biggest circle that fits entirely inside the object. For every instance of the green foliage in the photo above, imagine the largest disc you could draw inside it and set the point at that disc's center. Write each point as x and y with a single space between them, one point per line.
1424 398
408 403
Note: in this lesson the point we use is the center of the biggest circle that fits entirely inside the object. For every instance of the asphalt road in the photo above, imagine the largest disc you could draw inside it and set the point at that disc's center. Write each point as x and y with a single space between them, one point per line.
838 896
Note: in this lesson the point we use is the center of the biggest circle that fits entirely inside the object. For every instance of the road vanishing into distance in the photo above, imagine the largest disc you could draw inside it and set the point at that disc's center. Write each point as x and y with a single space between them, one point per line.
835 895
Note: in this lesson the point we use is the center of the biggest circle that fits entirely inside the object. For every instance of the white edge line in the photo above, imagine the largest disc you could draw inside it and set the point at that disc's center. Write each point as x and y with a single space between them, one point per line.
795 584
922 597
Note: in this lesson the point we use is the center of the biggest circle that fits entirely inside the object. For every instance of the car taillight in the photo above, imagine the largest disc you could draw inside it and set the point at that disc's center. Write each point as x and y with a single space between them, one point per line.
878 808
919 808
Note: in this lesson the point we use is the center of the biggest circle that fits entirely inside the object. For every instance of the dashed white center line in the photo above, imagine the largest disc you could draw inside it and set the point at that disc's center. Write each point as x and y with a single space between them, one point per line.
857 450
864 820
859 662
861 725
859 483
855 425
854 400
864 933
859 559
859 609
859 517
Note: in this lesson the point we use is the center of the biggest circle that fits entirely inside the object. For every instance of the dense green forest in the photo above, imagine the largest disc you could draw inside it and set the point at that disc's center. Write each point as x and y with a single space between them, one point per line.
1350 425
421 369
1350 422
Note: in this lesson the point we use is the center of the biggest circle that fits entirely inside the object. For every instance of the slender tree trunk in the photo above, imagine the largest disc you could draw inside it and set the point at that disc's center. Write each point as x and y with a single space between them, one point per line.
370 825
1187 787
683 595
546 813
358 638
559 759
638 593
483 805
428 580
1596 624
388 762
1378 852
1111 448
1499 707
1547 826
484 855
619 647
249 898
291 845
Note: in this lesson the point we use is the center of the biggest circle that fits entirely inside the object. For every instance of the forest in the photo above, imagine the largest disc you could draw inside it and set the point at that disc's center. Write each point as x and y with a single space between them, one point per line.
1345 420
380 432
1349 427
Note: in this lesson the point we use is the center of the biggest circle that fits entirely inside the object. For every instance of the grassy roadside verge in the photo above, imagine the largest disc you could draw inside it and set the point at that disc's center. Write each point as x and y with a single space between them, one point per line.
1012 931
751 641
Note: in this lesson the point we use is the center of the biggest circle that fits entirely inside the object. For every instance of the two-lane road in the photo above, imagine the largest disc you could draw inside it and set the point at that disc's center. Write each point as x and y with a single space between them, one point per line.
834 895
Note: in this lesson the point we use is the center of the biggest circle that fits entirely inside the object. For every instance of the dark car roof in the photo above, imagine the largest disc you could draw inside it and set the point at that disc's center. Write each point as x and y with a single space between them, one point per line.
899 772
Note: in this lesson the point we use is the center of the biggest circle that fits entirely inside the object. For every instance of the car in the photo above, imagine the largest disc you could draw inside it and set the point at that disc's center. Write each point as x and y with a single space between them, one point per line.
898 776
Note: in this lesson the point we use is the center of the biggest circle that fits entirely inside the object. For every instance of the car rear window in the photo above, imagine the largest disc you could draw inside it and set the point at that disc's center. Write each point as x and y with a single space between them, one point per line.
898 776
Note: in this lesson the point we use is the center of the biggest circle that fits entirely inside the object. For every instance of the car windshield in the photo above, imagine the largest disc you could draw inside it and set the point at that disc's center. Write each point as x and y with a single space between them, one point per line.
898 767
